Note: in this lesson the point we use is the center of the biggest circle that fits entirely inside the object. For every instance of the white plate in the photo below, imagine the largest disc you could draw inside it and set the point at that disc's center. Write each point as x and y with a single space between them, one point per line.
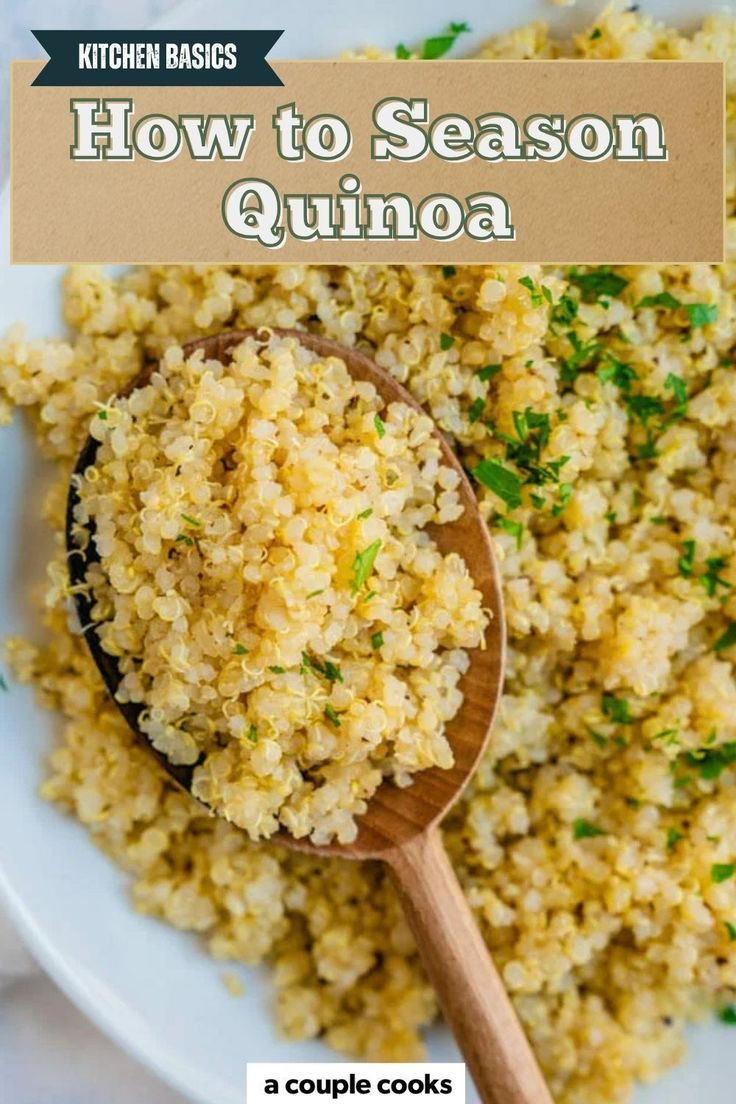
150 988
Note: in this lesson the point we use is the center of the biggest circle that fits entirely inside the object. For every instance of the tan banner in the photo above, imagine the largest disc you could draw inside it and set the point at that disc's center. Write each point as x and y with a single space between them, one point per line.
463 161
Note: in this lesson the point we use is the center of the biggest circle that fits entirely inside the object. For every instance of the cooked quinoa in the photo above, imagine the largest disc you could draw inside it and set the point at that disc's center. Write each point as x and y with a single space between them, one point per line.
597 843
268 585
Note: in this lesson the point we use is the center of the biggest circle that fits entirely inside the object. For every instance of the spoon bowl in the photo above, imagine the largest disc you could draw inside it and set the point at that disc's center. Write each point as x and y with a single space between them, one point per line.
400 825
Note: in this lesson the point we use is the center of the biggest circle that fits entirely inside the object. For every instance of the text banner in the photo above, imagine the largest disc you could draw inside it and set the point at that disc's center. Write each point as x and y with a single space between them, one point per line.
396 161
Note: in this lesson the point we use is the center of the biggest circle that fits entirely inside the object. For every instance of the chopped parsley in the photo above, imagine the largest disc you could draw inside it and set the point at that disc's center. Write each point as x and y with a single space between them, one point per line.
564 494
376 640
617 372
535 293
679 389
182 538
333 672
711 762
643 407
663 299
501 480
446 341
595 34
532 435
329 670
102 414
601 281
253 734
276 670
439 45
701 314
687 559
617 709
726 639
380 425
332 715
476 409
674 835
583 829
488 371
240 649
711 580
402 53
363 565
448 271
190 520
564 313
721 872
514 528
365 514
314 593
583 352
727 1015
731 929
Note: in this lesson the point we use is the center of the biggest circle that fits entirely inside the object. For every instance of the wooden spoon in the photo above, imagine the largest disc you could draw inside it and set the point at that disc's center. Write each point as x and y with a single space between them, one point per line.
401 826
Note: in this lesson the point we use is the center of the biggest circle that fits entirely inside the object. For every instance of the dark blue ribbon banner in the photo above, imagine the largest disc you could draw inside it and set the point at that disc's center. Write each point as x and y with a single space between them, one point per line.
129 58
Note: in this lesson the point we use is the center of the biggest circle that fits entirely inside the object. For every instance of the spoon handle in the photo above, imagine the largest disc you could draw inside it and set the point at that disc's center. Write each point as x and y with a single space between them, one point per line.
473 999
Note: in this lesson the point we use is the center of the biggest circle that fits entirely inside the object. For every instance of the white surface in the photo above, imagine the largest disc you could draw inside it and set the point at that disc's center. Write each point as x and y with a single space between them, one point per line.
151 989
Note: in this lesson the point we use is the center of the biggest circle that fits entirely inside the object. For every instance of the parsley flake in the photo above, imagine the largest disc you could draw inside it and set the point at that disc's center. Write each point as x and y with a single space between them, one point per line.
253 734
380 425
583 829
617 709
240 649
643 407
711 762
190 520
376 640
601 281
501 480
363 565
514 528
333 672
687 559
701 314
726 639
446 341
488 371
476 409
679 389
617 372
721 872
663 299
711 580
276 670
332 715
439 45
534 292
